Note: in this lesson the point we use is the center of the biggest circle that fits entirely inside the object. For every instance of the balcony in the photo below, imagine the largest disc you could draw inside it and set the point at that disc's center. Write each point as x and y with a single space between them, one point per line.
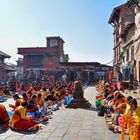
128 43
127 22
129 19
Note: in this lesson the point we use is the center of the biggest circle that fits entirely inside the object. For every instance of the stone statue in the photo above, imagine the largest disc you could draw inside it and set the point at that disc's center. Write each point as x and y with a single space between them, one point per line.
78 100
78 92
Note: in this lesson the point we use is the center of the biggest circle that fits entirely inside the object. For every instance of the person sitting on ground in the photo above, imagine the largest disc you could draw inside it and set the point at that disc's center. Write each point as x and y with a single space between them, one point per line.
32 107
29 94
20 121
44 92
120 109
6 91
25 97
135 110
120 99
1 92
124 110
18 101
4 118
126 105
34 98
49 100
40 100
32 104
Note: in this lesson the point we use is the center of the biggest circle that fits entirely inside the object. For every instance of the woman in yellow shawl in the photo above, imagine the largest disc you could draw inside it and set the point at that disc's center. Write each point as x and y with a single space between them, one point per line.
20 121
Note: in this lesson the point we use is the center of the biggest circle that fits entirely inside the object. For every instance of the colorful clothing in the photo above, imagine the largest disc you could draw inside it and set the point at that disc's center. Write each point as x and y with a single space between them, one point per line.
17 103
136 115
40 101
25 99
126 112
19 120
1 93
44 93
4 118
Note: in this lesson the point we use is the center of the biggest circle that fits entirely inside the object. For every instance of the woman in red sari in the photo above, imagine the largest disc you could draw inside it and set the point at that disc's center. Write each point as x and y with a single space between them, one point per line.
4 118
20 121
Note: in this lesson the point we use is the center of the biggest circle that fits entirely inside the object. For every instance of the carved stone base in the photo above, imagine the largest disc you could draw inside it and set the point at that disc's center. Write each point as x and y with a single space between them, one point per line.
79 103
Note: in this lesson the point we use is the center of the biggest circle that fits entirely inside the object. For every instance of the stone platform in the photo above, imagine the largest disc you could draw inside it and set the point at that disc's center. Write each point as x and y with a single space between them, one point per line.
80 103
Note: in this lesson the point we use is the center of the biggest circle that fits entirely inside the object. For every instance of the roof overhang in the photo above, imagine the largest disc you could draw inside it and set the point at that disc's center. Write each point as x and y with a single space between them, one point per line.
115 13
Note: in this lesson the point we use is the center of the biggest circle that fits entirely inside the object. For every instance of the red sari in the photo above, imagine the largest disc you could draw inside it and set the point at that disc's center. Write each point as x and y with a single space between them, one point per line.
20 121
4 118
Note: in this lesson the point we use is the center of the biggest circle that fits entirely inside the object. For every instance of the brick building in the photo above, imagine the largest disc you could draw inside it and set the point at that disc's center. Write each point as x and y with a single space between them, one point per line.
6 69
123 21
126 22
86 70
44 58
51 60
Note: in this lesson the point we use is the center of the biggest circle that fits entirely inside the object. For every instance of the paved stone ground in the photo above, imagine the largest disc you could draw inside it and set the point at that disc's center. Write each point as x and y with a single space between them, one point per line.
69 124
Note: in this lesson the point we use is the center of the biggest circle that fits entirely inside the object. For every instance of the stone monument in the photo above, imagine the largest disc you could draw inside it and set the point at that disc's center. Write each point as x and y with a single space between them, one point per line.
78 100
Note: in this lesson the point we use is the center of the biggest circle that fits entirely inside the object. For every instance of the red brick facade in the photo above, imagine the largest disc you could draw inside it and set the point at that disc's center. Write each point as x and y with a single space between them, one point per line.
116 20
44 58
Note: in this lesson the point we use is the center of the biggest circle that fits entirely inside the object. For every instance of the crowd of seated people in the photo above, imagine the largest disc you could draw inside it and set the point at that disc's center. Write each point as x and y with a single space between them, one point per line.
35 105
118 109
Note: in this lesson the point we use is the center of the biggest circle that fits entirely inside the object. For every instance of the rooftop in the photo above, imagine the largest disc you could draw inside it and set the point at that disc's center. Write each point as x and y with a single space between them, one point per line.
4 54
114 13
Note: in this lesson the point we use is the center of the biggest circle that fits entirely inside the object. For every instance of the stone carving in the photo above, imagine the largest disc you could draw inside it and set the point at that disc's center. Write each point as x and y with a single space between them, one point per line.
78 100
78 92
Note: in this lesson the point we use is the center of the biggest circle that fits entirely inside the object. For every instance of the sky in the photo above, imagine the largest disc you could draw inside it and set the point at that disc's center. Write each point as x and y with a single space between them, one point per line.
82 24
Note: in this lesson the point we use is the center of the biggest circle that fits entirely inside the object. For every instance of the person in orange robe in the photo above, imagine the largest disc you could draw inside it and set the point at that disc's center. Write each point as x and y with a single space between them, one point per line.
1 92
17 101
135 110
25 97
4 118
29 95
40 100
20 121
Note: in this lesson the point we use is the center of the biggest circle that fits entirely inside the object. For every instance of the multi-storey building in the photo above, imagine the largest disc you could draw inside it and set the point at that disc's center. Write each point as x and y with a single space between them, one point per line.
6 69
51 60
44 58
123 21
136 5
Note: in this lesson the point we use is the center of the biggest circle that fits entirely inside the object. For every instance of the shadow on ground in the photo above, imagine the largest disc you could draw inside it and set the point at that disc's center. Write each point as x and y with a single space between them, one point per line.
26 132
3 130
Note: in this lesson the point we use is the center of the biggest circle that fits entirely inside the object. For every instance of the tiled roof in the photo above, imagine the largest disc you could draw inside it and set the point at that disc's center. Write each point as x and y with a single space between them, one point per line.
4 54
10 67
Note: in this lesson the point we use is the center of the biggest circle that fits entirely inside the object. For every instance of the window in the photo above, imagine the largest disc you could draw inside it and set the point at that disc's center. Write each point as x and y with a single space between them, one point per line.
53 43
88 68
132 52
123 59
98 68
127 55
35 60
124 39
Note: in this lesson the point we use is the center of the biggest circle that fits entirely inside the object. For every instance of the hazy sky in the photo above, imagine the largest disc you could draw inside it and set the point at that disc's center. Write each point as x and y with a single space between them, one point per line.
83 25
